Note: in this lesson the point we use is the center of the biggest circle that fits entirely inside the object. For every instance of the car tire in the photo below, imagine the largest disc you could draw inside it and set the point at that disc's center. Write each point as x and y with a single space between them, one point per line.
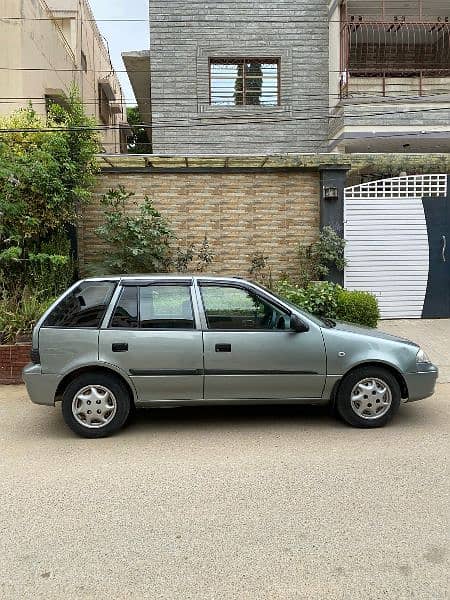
368 397
96 405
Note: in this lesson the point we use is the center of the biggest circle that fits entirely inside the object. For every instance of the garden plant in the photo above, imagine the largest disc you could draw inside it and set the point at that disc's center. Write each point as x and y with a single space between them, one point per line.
47 167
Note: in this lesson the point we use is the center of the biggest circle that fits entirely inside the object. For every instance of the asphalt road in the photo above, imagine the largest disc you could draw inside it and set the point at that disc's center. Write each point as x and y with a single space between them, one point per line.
225 503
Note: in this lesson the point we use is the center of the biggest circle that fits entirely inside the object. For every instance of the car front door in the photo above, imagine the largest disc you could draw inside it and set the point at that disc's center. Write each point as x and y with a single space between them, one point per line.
153 336
250 350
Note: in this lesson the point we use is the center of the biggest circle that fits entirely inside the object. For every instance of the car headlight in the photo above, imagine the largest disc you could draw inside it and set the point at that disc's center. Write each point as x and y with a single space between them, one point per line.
421 357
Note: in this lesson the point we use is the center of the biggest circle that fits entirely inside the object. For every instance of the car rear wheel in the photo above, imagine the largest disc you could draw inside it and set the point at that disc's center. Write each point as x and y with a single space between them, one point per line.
368 397
96 405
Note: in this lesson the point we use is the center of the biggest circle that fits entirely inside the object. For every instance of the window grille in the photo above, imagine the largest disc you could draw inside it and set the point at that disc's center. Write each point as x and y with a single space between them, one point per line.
244 82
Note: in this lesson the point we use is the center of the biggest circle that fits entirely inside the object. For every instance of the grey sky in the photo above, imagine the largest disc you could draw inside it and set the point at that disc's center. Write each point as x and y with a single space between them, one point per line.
123 36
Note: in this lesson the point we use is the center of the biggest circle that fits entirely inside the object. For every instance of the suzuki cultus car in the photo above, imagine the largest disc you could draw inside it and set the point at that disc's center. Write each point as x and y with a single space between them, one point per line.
114 343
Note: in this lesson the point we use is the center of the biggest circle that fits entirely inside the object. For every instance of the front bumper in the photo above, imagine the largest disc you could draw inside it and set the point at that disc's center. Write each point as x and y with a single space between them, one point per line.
41 388
421 384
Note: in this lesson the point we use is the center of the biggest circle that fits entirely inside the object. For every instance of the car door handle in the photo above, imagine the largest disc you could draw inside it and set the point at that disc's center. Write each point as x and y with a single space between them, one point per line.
223 347
120 347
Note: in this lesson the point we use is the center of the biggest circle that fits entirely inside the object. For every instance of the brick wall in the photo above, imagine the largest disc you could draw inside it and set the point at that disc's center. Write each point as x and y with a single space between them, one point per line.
241 214
12 361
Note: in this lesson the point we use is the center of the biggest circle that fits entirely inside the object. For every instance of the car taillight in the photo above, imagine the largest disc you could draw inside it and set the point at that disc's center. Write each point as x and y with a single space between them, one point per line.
35 357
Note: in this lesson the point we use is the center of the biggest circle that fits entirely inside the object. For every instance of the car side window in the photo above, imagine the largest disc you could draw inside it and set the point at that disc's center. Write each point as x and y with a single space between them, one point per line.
84 307
166 307
154 307
229 307
126 312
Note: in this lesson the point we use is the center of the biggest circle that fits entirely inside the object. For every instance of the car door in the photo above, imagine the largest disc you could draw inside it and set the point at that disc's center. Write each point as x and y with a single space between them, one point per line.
250 350
153 336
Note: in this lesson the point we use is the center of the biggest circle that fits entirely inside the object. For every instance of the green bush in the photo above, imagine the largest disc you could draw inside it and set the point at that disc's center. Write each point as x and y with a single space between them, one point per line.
18 316
317 259
47 167
319 298
357 307
138 241
326 299
47 267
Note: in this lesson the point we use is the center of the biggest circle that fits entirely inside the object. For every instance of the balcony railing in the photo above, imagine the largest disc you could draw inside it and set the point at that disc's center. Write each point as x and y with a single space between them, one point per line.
362 83
395 58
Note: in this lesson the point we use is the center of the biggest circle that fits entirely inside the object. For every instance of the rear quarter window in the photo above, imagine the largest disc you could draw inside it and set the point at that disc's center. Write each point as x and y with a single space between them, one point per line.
85 306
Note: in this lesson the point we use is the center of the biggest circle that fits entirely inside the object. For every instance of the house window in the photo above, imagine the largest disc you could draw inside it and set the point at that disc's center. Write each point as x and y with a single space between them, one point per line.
84 62
244 82
104 108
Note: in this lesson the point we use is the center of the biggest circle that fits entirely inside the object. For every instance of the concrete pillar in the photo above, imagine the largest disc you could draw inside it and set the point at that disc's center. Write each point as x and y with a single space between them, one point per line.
332 185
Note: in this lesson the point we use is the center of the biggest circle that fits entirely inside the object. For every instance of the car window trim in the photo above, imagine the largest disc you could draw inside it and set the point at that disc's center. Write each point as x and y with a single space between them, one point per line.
195 319
246 288
145 283
113 311
167 284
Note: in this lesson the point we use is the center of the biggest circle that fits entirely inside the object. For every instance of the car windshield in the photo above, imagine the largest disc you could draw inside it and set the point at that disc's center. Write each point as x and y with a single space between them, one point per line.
320 321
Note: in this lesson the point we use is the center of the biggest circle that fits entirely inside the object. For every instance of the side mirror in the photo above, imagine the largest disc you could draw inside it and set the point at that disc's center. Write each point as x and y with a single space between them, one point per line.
298 325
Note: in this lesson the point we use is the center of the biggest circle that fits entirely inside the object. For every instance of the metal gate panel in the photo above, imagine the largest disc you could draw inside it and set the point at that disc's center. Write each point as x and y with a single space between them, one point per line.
387 249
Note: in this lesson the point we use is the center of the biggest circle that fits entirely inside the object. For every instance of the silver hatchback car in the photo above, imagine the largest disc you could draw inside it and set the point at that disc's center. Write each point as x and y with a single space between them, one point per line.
111 344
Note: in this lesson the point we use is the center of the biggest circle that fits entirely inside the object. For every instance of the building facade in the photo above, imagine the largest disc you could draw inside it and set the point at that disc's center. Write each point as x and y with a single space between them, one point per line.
276 77
239 77
47 46
390 76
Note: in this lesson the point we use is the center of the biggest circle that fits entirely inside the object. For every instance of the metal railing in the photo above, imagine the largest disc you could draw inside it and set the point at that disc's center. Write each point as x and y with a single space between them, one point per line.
391 51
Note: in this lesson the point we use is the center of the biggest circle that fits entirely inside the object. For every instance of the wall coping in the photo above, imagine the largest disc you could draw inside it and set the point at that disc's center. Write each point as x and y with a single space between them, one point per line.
191 163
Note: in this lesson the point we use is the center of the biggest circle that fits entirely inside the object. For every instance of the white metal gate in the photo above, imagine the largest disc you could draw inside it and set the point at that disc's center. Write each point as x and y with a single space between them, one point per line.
387 237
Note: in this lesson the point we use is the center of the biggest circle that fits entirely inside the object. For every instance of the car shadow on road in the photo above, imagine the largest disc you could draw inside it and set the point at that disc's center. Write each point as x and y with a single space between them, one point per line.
222 418
207 418
226 415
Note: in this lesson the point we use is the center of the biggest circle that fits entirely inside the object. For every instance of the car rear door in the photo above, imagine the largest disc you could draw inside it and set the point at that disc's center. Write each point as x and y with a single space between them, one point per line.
153 334
250 350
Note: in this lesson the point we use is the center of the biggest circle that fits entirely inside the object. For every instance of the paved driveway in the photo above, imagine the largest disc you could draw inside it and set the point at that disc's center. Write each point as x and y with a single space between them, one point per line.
229 503
432 334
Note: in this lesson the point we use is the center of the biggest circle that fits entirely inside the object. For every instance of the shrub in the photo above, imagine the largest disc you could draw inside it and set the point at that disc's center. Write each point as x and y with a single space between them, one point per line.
183 259
18 315
317 259
326 299
318 298
357 307
205 256
48 267
260 269
45 173
46 169
138 242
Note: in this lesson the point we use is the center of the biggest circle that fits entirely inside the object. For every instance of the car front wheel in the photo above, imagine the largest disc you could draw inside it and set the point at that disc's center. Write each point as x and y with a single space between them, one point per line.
96 405
368 397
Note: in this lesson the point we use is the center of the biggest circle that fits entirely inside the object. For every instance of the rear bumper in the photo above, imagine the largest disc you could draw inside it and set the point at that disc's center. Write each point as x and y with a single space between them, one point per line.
41 388
421 384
